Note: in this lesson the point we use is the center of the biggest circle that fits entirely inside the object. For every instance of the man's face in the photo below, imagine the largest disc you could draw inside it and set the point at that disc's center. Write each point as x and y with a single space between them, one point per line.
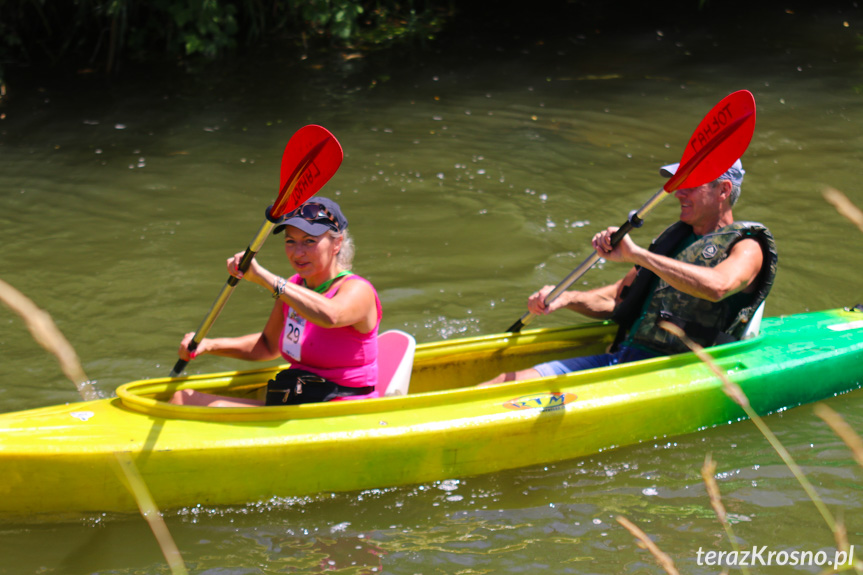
701 205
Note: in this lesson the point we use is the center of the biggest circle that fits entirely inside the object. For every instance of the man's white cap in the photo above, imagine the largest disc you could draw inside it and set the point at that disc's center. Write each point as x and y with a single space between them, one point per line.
734 173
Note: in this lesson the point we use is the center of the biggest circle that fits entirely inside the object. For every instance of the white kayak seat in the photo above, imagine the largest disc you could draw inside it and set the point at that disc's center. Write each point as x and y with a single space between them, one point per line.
754 324
395 362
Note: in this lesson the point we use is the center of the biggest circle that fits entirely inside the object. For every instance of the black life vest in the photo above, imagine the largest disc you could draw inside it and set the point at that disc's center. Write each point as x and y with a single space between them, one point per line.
707 323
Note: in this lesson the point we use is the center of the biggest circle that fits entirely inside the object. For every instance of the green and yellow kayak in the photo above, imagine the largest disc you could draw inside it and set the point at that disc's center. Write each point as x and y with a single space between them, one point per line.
61 460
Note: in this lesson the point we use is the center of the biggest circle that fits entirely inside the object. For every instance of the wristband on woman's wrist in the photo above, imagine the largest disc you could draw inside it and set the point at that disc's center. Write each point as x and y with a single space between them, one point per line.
279 287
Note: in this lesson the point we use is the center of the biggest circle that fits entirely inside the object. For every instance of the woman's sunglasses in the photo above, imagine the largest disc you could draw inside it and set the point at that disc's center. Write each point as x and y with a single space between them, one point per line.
313 212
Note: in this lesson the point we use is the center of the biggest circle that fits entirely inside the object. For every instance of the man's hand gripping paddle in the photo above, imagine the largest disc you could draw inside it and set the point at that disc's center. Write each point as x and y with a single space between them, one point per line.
311 157
720 139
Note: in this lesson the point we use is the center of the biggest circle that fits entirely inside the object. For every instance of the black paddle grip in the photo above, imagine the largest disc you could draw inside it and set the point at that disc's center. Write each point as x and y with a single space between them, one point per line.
633 222
182 363
179 367
516 327
243 266
246 261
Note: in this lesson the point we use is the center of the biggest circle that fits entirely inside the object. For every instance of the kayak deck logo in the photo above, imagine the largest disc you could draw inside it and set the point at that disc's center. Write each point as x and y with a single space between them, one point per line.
546 401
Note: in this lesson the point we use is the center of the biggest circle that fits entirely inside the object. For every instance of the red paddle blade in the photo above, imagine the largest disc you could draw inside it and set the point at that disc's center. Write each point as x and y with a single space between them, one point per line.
720 139
311 157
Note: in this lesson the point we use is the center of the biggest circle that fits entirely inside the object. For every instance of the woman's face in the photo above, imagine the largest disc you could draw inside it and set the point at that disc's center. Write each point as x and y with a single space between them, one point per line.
311 255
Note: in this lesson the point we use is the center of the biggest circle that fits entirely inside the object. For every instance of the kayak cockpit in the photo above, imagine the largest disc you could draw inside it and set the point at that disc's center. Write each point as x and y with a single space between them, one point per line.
443 366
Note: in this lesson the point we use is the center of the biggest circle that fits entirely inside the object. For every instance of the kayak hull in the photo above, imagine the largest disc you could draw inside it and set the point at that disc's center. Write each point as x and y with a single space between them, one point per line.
63 459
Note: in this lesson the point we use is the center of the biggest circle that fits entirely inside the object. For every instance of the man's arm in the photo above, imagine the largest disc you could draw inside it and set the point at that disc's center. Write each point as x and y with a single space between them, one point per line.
736 273
597 303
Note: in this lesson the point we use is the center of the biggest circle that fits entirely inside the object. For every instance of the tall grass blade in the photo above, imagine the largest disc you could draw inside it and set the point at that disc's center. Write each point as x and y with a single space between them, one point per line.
844 206
645 542
45 332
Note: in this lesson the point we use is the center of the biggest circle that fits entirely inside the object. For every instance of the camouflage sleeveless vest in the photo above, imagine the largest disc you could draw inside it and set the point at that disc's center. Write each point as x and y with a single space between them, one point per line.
707 323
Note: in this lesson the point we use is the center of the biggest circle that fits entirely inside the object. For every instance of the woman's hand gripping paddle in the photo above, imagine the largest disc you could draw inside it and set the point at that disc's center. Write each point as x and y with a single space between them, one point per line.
720 139
311 157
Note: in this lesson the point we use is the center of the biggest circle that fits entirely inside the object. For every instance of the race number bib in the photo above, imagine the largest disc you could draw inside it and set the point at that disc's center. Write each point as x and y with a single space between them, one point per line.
292 335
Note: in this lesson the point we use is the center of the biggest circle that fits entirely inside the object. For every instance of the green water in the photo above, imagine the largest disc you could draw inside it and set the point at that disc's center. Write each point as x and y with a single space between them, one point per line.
474 173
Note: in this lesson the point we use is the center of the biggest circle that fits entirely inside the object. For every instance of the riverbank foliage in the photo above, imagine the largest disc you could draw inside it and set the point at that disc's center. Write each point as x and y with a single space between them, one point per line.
103 35
112 36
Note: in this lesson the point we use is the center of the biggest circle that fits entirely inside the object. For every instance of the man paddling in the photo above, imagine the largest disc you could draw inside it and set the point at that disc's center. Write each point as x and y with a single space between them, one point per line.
706 273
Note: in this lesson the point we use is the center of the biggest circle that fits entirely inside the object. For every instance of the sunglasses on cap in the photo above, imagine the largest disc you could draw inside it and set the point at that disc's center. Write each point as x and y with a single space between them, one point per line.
313 212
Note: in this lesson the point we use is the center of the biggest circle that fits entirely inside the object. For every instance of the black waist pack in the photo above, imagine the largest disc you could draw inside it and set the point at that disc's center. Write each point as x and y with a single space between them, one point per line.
295 386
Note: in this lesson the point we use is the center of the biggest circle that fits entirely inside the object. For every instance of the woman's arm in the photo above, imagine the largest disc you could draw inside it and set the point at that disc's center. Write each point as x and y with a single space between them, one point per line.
353 305
262 346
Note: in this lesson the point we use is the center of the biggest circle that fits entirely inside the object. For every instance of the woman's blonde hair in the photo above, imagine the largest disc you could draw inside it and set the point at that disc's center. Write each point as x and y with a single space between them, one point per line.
345 257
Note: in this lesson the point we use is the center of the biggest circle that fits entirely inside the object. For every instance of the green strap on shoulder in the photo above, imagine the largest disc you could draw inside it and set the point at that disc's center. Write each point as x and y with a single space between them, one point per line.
321 289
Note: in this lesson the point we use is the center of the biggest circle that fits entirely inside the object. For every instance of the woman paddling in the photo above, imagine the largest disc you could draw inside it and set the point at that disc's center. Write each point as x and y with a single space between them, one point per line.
325 319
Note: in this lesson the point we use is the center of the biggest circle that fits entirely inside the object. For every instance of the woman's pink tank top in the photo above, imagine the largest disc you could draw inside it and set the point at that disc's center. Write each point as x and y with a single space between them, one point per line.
339 354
